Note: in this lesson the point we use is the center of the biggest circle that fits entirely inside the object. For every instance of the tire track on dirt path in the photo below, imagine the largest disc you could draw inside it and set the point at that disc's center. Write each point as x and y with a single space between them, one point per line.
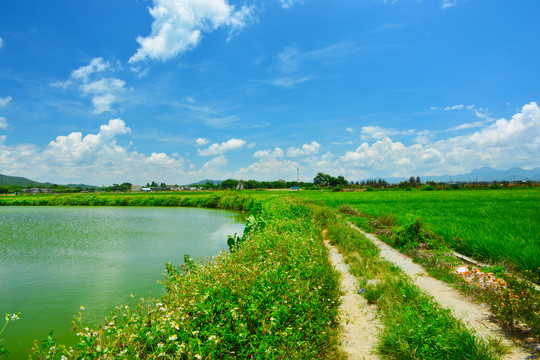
473 315
357 318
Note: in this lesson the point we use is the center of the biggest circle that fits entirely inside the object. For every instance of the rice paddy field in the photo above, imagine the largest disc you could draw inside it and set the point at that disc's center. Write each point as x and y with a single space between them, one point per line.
491 225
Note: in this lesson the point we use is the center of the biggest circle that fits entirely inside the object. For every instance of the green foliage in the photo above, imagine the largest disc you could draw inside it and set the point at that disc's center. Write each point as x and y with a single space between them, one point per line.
275 297
7 319
498 226
325 180
414 326
427 188
409 234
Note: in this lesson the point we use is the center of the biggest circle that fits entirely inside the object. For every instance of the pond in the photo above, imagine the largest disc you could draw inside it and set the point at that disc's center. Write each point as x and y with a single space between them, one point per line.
55 259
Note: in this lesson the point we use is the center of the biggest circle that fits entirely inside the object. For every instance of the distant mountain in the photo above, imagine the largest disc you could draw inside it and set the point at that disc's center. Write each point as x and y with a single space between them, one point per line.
6 180
483 174
486 174
202 182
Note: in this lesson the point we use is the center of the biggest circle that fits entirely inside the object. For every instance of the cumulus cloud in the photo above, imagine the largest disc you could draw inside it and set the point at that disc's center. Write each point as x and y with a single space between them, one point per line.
179 26
1 43
201 141
269 154
218 149
269 169
90 80
3 123
5 101
306 149
92 159
520 132
503 144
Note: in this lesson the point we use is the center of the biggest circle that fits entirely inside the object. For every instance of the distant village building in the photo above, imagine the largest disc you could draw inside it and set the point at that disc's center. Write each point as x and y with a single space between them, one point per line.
146 189
37 191
176 188
136 188
240 186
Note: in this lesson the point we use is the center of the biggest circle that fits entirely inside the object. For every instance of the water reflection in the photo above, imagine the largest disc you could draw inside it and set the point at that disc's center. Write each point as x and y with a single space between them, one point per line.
55 259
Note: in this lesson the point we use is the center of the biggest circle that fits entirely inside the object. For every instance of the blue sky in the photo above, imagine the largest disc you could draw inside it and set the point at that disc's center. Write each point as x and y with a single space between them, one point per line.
177 91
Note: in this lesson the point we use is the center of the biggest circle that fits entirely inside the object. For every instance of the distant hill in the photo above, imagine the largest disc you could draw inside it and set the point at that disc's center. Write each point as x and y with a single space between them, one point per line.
202 182
483 174
489 174
6 180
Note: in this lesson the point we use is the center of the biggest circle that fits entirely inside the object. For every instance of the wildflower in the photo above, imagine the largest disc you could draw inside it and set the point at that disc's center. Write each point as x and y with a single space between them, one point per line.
81 308
197 356
172 337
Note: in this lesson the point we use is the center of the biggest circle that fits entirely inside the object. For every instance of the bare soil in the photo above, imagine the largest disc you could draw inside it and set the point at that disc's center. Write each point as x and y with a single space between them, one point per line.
360 326
472 314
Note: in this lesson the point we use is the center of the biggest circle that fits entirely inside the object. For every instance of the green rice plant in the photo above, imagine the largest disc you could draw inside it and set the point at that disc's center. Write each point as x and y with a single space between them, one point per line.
500 226
415 327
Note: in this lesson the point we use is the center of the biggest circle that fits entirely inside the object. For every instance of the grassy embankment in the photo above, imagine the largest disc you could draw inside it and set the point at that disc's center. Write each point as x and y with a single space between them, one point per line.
275 297
500 227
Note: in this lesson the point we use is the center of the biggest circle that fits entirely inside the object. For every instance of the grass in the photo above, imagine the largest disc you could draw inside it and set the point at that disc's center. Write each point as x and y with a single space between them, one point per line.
276 295
415 327
492 225
516 304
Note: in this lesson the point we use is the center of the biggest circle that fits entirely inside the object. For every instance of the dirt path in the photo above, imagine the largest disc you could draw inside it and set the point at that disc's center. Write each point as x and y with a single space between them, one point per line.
357 317
471 314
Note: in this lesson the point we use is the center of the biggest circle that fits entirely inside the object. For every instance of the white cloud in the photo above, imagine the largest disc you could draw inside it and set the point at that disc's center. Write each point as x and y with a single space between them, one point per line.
92 159
201 141
96 65
3 123
179 26
5 101
292 60
376 132
269 169
265 154
459 107
520 132
103 90
288 82
448 3
503 144
475 124
286 4
1 43
306 149
211 169
218 149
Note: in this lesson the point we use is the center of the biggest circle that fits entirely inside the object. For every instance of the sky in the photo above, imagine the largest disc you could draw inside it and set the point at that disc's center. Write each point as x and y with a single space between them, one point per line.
177 91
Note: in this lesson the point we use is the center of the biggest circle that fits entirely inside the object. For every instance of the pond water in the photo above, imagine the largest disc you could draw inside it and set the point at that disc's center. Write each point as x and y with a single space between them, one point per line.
55 259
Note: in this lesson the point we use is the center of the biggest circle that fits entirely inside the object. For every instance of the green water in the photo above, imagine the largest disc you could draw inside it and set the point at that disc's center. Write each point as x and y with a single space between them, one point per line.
55 259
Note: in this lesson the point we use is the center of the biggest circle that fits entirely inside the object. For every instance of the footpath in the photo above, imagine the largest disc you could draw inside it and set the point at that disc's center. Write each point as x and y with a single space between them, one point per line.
359 320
